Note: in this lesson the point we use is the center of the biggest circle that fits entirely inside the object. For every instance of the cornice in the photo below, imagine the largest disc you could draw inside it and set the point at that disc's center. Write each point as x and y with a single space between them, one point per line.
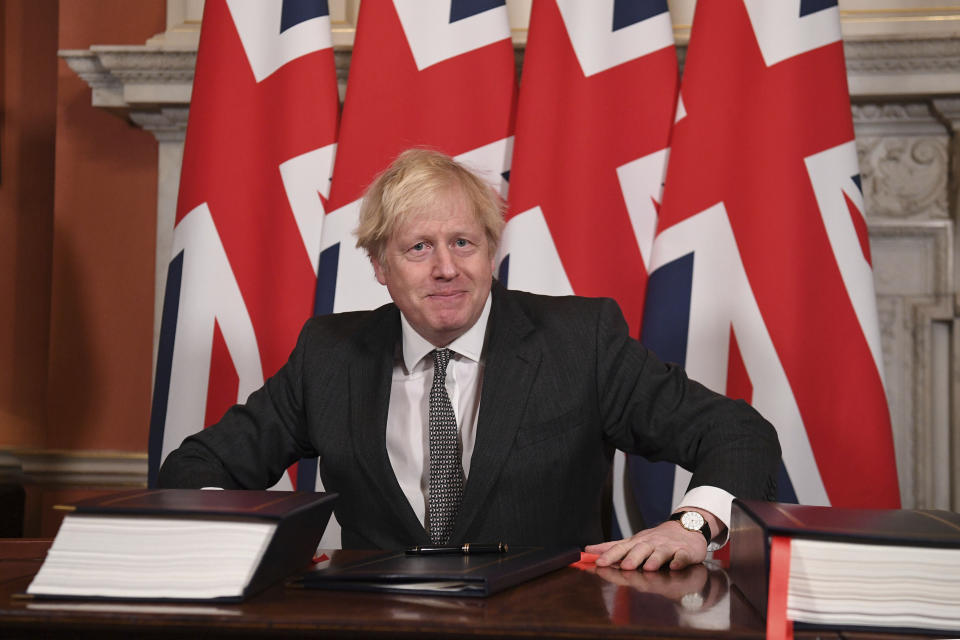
903 66
134 77
148 78
903 55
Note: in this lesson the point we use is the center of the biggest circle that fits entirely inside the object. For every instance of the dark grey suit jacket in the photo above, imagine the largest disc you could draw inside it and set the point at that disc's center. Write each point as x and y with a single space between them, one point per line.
564 384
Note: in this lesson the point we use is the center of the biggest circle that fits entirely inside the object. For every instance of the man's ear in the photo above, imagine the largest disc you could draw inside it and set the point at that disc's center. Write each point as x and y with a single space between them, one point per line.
379 270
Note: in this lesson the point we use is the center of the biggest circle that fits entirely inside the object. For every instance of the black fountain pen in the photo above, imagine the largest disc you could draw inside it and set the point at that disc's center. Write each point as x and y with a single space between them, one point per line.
468 548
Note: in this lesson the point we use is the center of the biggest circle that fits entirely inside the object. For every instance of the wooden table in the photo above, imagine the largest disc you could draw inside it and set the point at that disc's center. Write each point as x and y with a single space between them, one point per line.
569 603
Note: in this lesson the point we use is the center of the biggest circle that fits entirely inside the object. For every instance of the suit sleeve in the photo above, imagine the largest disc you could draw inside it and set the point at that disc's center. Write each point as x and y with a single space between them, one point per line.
653 409
254 443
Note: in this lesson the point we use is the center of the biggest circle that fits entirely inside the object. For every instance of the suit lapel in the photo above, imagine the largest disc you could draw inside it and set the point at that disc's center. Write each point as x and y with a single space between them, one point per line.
510 368
370 380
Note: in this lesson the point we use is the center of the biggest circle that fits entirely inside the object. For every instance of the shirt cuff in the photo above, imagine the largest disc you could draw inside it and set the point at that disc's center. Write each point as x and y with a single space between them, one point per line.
716 501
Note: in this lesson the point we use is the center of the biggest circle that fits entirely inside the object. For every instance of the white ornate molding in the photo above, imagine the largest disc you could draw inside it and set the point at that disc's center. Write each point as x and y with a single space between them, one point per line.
134 77
908 153
934 482
912 258
913 55
903 117
914 279
904 154
905 176
901 67
166 124
948 111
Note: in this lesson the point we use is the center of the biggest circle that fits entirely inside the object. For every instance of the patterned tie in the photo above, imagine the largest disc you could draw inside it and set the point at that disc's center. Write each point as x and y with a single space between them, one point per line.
446 468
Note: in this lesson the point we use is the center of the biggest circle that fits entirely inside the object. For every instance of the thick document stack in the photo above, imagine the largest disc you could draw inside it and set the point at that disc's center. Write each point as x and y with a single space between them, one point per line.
182 544
855 568
476 575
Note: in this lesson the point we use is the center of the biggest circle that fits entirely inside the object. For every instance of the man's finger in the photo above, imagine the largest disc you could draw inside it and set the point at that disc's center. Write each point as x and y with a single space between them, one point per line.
681 559
616 553
613 554
638 555
657 559
601 547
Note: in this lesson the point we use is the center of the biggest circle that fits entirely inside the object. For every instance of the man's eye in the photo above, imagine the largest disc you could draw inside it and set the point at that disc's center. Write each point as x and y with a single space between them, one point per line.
419 246
462 243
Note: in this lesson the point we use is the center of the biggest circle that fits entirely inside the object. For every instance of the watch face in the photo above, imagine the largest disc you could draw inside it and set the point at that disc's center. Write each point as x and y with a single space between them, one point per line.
692 520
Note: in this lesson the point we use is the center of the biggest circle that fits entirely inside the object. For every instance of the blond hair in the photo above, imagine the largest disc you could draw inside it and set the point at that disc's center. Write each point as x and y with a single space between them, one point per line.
412 183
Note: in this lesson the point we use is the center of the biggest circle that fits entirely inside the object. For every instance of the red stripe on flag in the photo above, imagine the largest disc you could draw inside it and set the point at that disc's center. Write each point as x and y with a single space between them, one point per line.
739 385
223 380
860 225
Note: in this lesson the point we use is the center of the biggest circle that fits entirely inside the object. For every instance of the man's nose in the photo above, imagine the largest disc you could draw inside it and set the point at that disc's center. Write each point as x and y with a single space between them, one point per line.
444 264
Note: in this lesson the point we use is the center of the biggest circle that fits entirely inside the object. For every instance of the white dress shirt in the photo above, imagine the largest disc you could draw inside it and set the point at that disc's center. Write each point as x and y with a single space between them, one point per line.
408 433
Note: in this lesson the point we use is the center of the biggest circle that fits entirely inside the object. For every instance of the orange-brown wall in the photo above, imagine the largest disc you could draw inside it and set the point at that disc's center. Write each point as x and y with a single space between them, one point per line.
102 280
28 77
77 235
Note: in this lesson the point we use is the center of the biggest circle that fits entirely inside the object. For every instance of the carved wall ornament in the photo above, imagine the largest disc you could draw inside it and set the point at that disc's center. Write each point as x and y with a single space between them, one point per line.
904 177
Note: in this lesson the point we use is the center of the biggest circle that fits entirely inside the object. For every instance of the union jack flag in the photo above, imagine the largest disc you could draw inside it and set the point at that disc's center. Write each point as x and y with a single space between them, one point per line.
596 105
760 278
257 161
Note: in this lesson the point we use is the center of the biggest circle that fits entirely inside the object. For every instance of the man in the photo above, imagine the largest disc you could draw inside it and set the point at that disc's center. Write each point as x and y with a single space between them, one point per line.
515 440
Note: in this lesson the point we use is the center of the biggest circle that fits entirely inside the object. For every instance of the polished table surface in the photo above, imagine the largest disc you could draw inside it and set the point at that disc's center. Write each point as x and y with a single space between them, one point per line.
570 603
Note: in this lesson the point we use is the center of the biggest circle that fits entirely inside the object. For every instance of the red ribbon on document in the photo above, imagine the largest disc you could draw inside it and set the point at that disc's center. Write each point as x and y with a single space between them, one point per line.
778 627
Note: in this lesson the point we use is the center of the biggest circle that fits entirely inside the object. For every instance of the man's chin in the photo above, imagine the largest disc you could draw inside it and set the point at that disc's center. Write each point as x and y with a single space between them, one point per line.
450 328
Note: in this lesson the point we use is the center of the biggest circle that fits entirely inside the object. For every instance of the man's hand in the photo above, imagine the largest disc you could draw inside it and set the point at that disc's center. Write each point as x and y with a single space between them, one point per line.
666 544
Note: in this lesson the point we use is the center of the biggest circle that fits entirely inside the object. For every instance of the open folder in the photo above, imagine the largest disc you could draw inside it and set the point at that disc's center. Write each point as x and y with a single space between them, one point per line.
475 575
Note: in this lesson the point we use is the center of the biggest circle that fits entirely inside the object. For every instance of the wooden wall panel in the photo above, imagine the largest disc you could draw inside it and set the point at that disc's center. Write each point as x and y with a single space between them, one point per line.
101 308
28 89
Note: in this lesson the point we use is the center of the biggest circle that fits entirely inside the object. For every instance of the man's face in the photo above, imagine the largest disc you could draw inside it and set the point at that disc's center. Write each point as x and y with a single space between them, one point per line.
438 268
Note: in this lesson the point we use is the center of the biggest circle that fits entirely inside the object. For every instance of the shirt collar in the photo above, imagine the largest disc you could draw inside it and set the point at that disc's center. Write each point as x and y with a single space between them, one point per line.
470 344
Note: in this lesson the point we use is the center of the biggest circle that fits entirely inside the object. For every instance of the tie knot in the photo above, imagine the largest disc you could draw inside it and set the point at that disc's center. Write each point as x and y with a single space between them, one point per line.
441 357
